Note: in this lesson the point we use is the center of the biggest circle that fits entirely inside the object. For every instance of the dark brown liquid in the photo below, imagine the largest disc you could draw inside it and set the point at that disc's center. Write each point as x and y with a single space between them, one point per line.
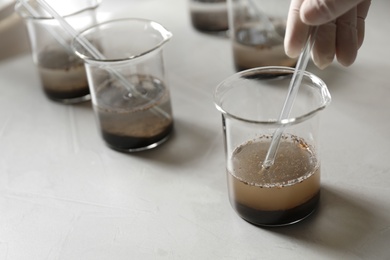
285 193
134 124
123 142
63 95
277 217
63 76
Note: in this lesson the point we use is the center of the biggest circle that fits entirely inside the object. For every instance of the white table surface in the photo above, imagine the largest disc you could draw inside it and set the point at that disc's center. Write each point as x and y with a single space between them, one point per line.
65 195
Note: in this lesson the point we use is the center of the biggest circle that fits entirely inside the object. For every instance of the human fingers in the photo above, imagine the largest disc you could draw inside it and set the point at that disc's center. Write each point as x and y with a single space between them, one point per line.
346 37
324 47
296 30
317 12
362 11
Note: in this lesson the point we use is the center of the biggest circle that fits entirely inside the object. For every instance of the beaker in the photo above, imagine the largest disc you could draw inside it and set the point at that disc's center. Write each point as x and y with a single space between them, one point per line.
129 89
209 15
61 72
250 102
257 29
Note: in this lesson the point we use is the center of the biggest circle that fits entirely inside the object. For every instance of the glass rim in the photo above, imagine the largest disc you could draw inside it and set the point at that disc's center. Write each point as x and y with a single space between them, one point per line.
325 96
165 35
21 10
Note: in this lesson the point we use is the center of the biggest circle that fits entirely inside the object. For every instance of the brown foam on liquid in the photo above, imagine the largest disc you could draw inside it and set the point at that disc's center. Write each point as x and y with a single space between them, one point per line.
293 179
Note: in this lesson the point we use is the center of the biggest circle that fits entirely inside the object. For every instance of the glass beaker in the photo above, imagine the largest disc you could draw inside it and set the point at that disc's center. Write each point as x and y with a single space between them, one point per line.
130 94
257 29
250 102
62 73
209 15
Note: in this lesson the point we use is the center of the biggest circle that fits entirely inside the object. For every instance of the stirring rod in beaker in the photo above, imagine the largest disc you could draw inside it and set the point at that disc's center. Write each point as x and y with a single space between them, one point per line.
292 93
53 33
95 53
81 40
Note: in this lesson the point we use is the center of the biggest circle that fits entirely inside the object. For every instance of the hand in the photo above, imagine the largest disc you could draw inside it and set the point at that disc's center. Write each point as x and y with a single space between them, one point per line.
340 29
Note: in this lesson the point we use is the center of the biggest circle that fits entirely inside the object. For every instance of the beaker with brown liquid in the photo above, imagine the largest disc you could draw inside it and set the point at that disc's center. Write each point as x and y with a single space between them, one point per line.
209 15
130 93
250 102
257 29
62 73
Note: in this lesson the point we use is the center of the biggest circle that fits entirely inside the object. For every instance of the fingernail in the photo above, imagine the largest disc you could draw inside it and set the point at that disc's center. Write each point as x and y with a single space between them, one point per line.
322 63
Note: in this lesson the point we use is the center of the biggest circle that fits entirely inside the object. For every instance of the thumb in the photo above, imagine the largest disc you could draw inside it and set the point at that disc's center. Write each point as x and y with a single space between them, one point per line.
317 12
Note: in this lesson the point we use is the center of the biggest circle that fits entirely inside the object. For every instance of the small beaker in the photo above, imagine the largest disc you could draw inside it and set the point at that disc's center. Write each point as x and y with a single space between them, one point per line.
250 102
209 15
257 29
130 94
62 73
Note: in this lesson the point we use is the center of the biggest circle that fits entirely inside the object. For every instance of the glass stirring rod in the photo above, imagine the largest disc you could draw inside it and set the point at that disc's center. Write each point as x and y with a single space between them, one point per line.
90 49
292 92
